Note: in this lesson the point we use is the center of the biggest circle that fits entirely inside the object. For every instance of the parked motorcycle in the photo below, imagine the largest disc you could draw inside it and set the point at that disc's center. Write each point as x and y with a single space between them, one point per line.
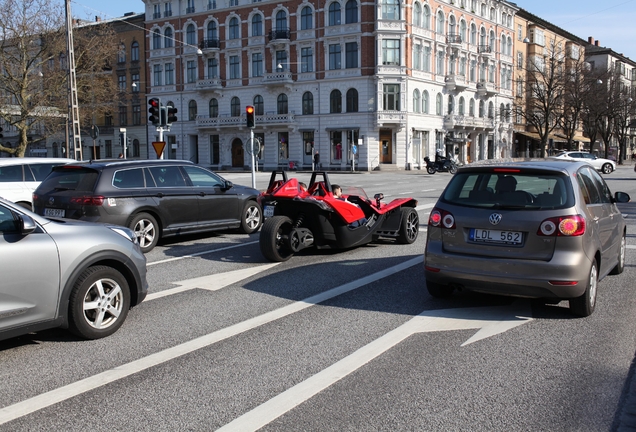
440 165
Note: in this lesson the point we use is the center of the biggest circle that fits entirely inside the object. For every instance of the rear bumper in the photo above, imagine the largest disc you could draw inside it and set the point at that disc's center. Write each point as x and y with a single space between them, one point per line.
512 277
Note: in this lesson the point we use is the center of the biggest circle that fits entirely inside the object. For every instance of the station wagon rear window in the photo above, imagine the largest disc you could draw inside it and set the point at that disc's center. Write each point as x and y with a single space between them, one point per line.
69 178
510 189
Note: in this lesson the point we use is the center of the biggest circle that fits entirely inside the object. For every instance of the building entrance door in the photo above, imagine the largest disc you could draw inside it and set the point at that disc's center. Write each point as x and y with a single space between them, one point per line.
386 146
237 153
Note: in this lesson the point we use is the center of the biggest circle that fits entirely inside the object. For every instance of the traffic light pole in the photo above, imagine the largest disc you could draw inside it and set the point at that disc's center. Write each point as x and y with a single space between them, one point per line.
160 130
253 159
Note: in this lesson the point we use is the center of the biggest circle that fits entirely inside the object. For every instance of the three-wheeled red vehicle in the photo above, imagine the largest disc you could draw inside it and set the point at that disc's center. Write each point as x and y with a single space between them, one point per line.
297 219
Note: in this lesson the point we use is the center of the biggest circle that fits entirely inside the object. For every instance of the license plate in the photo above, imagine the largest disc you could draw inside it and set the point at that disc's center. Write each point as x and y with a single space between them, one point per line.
495 236
54 212
269 211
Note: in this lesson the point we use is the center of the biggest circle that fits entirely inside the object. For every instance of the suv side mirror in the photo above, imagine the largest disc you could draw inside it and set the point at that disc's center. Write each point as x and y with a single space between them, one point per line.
26 224
622 197
228 185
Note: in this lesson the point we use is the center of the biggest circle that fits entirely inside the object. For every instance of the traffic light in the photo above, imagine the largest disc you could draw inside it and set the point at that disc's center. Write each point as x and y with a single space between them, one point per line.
155 104
249 115
163 115
171 115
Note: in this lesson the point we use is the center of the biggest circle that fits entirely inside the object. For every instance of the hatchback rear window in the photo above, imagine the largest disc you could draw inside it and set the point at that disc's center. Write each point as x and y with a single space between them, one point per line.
509 189
69 178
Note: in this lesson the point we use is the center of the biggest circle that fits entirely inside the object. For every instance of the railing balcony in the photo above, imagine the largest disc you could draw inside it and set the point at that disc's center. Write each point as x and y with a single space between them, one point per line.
212 5
190 10
210 43
156 15
280 77
453 38
485 88
167 13
280 35
391 118
455 82
209 84
484 49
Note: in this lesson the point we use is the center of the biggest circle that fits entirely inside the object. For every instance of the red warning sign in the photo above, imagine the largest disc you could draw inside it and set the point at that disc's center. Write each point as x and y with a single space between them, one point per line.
159 146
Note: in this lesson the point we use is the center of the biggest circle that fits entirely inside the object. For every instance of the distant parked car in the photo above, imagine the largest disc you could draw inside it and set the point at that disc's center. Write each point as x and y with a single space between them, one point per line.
71 274
19 177
527 229
606 166
154 198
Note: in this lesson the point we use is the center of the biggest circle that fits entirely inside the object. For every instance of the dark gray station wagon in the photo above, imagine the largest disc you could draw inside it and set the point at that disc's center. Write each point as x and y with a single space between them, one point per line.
154 198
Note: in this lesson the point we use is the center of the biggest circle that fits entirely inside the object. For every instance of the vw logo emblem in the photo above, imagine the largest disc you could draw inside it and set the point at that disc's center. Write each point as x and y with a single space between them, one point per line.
51 201
495 218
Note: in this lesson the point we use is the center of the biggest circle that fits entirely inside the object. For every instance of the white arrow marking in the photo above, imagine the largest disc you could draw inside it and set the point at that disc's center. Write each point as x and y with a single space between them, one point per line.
211 282
490 321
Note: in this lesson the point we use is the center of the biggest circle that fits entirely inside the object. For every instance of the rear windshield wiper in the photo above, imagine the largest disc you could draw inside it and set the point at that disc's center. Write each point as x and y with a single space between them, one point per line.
59 189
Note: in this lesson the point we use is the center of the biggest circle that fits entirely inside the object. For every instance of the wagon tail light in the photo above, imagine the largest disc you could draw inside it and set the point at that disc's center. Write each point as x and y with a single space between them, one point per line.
93 200
563 226
441 218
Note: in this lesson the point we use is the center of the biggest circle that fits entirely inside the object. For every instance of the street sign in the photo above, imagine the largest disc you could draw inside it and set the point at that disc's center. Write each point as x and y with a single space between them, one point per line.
94 131
159 146
354 149
253 146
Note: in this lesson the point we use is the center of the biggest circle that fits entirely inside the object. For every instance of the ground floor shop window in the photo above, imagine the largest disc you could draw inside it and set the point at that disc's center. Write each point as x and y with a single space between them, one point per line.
260 137
214 150
336 146
283 147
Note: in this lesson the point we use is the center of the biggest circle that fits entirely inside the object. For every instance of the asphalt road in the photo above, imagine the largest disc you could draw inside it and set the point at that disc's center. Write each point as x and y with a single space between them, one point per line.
345 341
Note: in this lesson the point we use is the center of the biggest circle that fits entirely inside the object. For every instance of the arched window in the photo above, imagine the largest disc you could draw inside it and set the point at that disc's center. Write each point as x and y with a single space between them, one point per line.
308 103
334 13
507 113
481 108
191 35
471 108
214 108
391 9
416 101
473 34
281 104
417 15
351 12
493 40
352 100
462 106
306 18
168 38
482 37
492 14
335 102
134 51
259 105
235 107
121 53
281 21
502 112
257 25
135 148
462 30
425 102
156 40
503 44
451 25
439 29
491 110
451 104
234 28
438 104
426 17
509 45
212 31
192 110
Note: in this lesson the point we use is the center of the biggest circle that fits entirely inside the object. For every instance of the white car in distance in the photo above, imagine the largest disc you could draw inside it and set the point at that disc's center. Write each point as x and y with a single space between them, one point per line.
606 166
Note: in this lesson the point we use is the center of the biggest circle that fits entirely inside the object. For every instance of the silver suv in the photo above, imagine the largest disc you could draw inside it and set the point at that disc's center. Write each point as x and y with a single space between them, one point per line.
543 229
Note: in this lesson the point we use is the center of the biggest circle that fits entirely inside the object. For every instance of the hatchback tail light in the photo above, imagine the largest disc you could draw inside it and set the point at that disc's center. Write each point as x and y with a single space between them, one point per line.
568 226
93 200
441 217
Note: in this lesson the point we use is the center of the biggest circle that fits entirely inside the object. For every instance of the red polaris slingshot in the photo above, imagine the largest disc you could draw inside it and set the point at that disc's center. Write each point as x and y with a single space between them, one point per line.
297 219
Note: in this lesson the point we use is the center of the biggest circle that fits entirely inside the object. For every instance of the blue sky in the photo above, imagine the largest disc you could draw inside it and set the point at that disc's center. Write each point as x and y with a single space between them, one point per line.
613 22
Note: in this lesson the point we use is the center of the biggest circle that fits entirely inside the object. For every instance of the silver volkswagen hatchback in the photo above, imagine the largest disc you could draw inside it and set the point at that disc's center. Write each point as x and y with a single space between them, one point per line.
539 229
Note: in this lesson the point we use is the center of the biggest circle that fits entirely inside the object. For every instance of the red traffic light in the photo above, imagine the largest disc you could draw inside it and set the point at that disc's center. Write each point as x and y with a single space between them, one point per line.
249 109
249 116
154 103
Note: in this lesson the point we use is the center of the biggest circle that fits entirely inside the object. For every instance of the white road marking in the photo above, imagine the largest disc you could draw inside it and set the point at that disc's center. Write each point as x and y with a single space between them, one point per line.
68 391
424 206
209 251
211 282
490 321
630 246
428 190
404 193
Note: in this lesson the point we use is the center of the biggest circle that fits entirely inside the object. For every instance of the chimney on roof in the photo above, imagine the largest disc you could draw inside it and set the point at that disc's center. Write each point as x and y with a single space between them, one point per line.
590 40
597 43
97 19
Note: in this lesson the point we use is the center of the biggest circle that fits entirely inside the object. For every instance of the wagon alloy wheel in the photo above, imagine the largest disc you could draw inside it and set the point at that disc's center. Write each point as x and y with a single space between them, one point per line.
251 218
584 305
146 230
607 168
273 239
99 302
410 226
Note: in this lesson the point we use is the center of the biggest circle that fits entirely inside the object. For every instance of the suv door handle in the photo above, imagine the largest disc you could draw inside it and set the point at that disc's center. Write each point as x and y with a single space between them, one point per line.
160 195
201 193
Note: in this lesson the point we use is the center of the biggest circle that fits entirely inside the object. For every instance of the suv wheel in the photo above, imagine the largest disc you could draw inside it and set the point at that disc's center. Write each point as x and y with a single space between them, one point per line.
147 231
251 218
584 306
607 168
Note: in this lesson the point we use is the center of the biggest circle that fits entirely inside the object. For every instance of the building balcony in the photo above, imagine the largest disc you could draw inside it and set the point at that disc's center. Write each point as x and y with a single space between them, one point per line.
156 15
280 77
455 83
485 50
485 88
190 10
391 118
210 45
454 39
279 35
391 26
452 121
226 121
209 84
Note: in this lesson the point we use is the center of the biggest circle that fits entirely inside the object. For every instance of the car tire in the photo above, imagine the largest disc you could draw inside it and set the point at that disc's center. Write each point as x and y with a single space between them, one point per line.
583 306
272 245
620 265
251 218
146 230
431 170
409 227
438 290
607 168
99 303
